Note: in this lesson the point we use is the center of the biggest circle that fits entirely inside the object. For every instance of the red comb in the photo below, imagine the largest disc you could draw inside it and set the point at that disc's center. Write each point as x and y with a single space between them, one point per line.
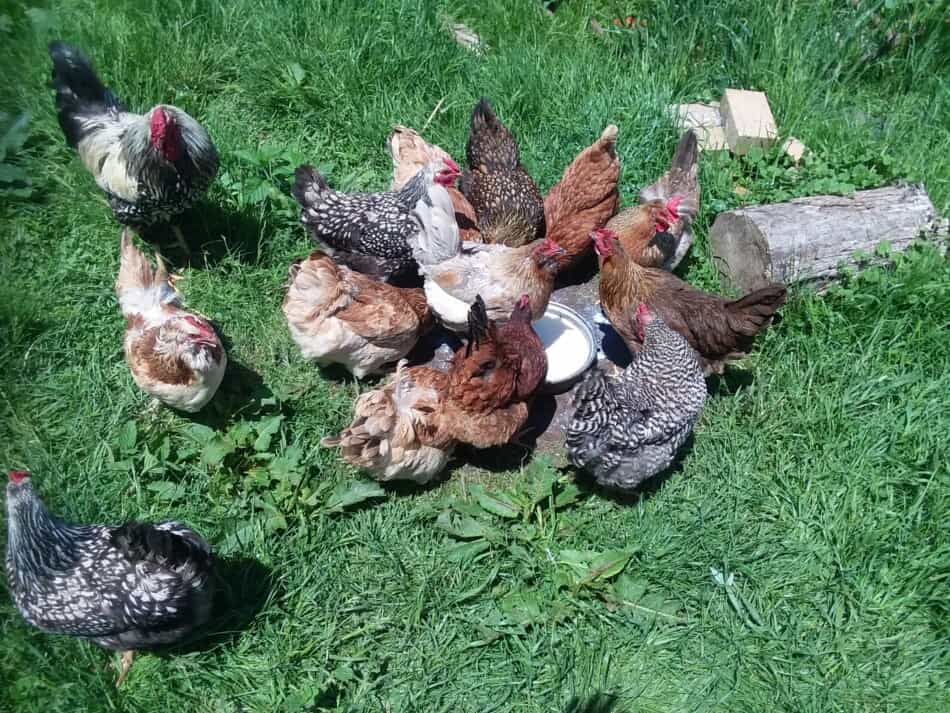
672 205
18 476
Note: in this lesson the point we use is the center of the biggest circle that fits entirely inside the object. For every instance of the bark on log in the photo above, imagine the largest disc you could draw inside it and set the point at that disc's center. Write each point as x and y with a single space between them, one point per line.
807 239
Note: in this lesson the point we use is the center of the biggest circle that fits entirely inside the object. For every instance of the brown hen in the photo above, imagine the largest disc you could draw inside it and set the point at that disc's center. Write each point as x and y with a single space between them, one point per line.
584 199
507 202
718 329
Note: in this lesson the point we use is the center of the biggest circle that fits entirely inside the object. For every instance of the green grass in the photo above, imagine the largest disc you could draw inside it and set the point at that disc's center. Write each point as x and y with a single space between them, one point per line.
817 478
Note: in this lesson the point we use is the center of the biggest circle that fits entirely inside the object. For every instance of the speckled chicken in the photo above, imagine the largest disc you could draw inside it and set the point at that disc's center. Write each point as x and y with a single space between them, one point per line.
369 232
658 231
174 355
629 427
124 587
338 316
411 153
151 166
456 272
506 200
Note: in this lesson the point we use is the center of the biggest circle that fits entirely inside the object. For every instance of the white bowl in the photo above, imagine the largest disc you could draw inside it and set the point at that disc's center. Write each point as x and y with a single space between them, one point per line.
568 343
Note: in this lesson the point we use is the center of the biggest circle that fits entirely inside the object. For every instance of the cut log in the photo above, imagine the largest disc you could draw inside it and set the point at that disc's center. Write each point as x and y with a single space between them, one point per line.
807 239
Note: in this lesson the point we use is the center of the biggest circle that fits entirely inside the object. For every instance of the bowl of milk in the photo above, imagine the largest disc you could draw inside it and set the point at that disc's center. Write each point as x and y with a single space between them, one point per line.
568 343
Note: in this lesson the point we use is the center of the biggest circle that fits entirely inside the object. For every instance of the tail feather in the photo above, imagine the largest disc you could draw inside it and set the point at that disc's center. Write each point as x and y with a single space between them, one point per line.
477 324
138 284
490 144
753 312
687 152
79 91
308 185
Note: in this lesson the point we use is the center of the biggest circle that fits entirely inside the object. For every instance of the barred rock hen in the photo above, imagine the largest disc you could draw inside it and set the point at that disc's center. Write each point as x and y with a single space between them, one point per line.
369 232
152 166
124 587
456 272
628 428
411 153
507 202
338 316
585 198
658 232
174 355
718 329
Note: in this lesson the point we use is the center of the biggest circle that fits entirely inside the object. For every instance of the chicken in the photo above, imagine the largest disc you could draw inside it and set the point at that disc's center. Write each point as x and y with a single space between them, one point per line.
368 232
493 376
585 198
174 355
507 202
409 428
411 153
718 329
628 428
338 316
124 587
658 232
396 430
152 166
455 272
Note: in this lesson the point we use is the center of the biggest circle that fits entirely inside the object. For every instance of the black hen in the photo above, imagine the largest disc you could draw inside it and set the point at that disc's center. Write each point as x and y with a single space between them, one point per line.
506 201
151 166
628 428
369 232
126 587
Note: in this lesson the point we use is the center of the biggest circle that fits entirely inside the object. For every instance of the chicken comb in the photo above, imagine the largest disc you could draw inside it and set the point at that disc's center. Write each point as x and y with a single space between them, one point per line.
18 476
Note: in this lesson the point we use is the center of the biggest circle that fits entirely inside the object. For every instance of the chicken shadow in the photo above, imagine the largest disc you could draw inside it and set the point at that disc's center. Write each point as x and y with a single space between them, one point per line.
242 389
595 703
243 586
517 452
211 232
729 383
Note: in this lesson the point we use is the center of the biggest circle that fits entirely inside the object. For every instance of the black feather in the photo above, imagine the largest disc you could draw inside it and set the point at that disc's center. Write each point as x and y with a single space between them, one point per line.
477 323
79 92
144 542
666 243
687 152
304 177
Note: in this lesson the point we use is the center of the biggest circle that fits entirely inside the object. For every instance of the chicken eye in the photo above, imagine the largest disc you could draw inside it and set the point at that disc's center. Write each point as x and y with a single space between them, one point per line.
487 365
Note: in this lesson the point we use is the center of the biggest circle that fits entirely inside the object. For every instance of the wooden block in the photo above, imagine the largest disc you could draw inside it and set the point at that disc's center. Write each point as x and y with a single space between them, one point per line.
711 138
748 120
794 148
807 238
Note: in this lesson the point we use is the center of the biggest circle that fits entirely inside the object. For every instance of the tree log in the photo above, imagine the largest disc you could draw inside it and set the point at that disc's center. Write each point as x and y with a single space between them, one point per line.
807 239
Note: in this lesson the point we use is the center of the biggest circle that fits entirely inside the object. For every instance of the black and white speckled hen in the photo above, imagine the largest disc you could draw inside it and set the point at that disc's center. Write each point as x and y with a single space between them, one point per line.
506 200
629 427
369 232
125 587
152 166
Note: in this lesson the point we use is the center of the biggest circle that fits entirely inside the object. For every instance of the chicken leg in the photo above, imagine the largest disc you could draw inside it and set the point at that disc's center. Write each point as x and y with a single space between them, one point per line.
124 665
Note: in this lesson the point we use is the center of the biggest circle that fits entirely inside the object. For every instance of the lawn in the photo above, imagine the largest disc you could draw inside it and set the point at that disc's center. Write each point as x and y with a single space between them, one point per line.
797 561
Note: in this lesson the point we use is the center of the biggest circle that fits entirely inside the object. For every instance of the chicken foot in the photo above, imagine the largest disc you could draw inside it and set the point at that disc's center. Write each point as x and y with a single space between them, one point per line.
124 665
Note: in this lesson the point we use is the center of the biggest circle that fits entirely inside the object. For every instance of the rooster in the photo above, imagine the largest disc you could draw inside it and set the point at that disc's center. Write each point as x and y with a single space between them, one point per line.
410 153
507 202
658 232
151 166
584 199
338 316
456 272
124 587
174 355
369 232
628 428
718 329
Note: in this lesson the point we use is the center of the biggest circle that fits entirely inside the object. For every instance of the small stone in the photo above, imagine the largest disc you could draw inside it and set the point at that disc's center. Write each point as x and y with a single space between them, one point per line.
748 120
794 148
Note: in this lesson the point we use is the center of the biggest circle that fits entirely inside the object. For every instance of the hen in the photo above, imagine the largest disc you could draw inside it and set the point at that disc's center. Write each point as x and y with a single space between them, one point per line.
628 428
456 272
718 329
369 232
411 153
658 232
124 587
151 166
493 376
507 202
174 355
585 197
338 316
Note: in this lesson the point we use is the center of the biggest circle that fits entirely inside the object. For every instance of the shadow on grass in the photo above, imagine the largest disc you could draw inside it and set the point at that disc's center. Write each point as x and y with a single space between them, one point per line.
212 232
594 703
243 586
